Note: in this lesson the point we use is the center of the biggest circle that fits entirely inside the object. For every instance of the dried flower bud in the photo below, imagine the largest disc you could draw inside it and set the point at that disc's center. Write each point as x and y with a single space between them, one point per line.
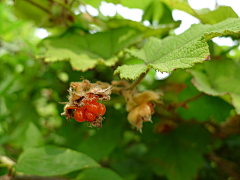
140 114
139 107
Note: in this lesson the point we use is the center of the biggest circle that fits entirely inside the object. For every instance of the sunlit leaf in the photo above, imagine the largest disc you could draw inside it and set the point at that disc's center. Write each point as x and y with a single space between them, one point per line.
182 51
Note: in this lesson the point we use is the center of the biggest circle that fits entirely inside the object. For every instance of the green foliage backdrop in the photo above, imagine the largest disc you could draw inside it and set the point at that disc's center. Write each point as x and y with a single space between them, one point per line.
194 134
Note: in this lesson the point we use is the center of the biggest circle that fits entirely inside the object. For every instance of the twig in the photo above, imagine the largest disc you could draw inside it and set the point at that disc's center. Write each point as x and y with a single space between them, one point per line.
39 6
189 100
71 3
137 81
64 6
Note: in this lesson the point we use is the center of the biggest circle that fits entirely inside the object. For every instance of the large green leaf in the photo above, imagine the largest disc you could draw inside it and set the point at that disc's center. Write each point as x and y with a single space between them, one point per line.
98 174
178 155
218 78
85 52
52 161
182 51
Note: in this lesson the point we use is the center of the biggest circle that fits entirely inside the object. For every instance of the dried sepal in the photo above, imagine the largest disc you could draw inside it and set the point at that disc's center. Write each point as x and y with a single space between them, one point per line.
97 123
146 96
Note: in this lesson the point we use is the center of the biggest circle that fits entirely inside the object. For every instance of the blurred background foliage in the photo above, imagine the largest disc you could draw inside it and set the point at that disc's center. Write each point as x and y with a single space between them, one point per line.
197 141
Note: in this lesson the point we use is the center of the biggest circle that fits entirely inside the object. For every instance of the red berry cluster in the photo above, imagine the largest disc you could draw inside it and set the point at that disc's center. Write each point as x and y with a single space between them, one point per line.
89 111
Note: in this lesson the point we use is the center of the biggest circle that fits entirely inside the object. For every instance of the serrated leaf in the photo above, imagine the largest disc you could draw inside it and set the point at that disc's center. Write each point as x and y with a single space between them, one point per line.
178 155
220 77
98 174
182 51
147 31
52 161
85 52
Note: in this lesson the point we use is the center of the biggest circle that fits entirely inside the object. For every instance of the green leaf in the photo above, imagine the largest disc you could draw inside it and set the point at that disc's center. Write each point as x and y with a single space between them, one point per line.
218 15
39 11
161 29
52 161
204 108
182 51
85 52
206 16
219 77
26 135
179 4
140 4
98 174
33 136
178 155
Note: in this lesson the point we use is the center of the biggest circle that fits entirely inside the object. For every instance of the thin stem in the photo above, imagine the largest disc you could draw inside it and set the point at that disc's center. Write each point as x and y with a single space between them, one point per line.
39 6
64 6
71 3
231 168
190 99
137 81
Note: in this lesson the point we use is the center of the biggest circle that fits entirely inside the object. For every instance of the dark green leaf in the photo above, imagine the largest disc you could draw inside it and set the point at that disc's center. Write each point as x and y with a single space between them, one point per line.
52 161
98 174
178 155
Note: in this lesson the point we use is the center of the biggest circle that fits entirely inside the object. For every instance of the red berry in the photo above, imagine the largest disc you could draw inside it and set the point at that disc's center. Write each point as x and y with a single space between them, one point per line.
102 109
97 108
89 116
79 115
